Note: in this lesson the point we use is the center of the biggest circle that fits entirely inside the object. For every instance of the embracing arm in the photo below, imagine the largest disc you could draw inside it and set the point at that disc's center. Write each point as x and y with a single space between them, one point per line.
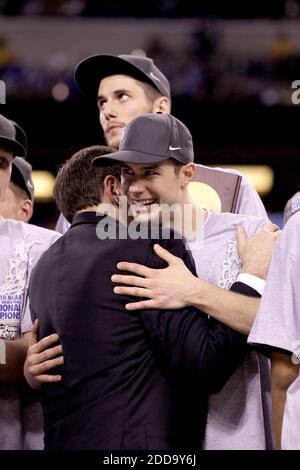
175 286
42 356
196 346
235 308
192 343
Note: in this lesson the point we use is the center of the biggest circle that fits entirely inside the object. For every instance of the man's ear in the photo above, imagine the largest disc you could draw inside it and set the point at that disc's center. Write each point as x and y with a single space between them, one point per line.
187 173
112 189
162 105
26 210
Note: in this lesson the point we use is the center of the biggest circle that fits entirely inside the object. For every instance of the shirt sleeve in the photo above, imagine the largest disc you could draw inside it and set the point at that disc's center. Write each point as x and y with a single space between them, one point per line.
254 282
277 324
62 225
249 202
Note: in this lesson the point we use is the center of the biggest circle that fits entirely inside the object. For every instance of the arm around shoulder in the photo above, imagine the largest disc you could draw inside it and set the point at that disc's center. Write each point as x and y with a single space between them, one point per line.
193 344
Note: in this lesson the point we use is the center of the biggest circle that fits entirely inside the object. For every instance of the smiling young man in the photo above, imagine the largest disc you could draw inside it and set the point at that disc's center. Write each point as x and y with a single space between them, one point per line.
136 381
124 87
155 170
21 246
164 179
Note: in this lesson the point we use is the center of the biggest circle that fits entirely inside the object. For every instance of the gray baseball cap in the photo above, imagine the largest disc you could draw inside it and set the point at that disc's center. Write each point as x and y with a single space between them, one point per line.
152 138
90 71
21 176
8 137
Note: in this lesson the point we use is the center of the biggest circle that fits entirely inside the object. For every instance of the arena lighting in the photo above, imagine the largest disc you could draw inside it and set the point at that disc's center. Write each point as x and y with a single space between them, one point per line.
60 92
205 196
43 186
261 176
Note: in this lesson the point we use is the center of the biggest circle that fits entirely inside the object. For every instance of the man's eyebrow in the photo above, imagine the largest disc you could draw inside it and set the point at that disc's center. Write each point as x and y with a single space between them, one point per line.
152 167
115 92
146 167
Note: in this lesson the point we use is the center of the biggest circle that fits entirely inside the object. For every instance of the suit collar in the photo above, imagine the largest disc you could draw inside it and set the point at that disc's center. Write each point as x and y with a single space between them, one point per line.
88 217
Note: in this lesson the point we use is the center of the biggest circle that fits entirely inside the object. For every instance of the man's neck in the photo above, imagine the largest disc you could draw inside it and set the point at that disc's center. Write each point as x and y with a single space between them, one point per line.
192 215
189 220
103 208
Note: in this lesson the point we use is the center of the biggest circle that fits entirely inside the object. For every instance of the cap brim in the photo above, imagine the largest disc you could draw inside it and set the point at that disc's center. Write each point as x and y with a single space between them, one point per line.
16 147
126 156
90 71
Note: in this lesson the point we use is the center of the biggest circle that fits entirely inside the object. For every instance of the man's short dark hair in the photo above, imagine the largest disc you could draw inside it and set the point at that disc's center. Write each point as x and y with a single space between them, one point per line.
78 184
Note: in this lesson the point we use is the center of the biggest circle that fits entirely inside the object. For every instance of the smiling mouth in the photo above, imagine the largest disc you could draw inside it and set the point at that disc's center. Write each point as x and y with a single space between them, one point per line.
143 209
143 202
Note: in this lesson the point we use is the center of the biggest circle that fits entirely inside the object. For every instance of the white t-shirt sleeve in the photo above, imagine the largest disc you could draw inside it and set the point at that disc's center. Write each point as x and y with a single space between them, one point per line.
62 224
277 322
255 282
249 202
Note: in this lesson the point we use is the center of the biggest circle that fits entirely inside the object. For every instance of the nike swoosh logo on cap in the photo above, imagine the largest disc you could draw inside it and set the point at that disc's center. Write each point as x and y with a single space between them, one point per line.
174 148
153 76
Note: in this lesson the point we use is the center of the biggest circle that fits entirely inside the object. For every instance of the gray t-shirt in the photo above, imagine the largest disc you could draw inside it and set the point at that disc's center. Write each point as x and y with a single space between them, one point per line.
21 247
235 417
277 323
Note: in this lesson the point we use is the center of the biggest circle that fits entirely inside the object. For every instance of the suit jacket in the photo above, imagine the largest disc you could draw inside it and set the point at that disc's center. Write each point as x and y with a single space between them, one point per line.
130 380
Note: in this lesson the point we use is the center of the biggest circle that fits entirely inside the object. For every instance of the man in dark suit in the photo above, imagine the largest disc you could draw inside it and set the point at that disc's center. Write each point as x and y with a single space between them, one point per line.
129 381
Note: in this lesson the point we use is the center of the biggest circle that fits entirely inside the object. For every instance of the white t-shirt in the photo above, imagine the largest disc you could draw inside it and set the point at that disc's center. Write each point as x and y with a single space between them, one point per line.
277 323
235 418
21 245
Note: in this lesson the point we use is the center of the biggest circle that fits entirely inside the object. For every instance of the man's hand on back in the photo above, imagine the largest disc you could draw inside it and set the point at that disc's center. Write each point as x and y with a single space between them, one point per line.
41 357
172 287
256 252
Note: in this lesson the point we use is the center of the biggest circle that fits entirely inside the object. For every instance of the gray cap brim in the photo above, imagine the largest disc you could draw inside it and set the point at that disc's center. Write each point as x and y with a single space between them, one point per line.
16 147
127 156
90 71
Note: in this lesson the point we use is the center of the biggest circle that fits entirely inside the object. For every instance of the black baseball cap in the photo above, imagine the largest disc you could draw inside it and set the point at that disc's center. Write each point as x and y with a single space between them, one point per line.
8 137
90 71
152 138
21 176
21 135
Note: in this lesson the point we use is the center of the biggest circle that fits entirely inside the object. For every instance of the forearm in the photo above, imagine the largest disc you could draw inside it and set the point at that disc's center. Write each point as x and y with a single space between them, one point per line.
278 404
15 354
283 372
234 310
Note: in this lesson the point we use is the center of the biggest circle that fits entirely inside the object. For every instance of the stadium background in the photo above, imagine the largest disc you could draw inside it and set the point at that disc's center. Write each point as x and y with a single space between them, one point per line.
232 68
